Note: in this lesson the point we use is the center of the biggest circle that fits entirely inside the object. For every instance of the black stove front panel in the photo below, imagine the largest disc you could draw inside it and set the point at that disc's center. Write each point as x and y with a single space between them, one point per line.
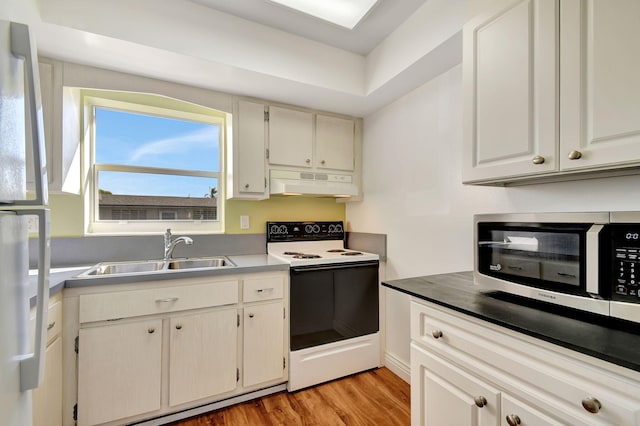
278 232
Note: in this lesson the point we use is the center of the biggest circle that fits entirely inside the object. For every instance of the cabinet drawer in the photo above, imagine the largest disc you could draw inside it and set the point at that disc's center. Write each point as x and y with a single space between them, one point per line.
520 365
124 304
54 321
262 288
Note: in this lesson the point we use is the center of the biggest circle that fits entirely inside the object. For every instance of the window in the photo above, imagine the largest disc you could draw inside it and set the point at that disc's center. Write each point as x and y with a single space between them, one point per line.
152 167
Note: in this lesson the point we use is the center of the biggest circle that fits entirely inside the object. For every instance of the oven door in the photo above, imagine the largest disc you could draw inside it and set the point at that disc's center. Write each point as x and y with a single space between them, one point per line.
329 303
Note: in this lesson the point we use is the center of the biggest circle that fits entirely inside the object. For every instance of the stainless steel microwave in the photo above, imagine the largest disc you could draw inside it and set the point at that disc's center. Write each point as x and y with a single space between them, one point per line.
586 261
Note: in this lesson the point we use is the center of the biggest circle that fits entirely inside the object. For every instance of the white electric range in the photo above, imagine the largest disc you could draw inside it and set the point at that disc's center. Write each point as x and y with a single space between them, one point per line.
333 302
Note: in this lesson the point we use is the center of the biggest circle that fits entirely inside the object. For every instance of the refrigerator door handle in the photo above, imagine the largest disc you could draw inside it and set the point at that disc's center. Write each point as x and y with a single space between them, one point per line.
23 46
32 365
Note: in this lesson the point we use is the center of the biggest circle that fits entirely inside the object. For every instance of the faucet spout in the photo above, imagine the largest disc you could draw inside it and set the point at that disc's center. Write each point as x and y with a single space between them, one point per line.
170 245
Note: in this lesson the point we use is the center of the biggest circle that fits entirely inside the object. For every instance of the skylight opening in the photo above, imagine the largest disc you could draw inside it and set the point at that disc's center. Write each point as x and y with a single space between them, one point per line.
345 13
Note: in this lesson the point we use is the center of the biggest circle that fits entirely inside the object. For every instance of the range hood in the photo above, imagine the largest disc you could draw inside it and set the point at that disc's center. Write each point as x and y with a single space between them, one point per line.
286 182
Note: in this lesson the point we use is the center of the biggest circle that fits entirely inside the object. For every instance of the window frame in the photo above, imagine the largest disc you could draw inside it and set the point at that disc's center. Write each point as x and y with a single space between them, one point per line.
131 227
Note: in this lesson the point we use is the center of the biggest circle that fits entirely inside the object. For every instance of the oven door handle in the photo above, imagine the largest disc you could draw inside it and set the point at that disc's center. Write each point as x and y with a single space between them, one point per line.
311 268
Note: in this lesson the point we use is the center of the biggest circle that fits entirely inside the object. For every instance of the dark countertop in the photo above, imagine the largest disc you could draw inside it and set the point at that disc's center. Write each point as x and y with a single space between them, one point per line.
605 338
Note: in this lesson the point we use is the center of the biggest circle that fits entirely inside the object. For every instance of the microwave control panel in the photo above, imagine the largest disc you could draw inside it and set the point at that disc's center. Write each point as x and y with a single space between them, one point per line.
625 262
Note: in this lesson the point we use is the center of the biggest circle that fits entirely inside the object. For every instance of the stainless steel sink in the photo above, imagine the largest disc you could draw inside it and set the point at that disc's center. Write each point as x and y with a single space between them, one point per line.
156 266
204 262
111 268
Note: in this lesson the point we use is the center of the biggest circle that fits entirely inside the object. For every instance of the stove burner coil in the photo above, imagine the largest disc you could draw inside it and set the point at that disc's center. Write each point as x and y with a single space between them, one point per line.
336 251
306 256
352 253
292 253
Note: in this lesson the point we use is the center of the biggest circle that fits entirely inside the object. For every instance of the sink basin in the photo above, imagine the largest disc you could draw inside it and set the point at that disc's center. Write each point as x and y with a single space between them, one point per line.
155 266
204 262
110 268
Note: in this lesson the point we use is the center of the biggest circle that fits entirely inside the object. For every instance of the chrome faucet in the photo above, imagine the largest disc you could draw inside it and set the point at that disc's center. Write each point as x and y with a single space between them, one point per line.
170 244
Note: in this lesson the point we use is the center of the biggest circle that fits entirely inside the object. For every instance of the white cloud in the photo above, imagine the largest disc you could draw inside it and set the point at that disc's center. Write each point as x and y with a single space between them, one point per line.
198 139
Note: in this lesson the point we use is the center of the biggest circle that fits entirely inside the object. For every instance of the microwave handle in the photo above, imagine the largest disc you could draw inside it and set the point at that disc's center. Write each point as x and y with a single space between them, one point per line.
593 251
23 45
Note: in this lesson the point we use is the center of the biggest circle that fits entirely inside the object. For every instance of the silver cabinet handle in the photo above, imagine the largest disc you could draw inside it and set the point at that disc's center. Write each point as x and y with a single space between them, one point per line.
480 401
167 300
262 290
151 330
592 405
575 155
513 420
178 326
51 325
251 315
538 159
436 334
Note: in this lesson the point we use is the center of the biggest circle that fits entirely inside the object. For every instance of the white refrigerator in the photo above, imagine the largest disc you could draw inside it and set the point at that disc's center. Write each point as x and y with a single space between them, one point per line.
21 141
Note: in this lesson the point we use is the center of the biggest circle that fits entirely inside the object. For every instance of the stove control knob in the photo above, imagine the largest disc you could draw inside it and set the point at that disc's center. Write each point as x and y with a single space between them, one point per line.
308 229
316 229
273 230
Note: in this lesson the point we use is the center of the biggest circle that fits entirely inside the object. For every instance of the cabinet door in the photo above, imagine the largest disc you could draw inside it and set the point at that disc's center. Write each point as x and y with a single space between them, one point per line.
517 412
263 343
334 143
290 137
509 91
47 399
442 394
250 149
600 90
119 371
202 355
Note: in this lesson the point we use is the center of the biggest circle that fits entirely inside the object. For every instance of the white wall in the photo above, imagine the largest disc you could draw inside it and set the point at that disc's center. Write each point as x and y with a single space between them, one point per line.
413 193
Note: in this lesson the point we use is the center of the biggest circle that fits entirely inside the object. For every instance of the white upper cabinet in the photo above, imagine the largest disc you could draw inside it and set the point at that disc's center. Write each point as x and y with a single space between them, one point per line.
510 85
600 90
290 137
334 143
550 89
247 152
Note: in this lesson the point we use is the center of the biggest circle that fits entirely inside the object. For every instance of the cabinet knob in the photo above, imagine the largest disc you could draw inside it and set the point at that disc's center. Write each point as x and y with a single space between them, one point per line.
151 330
538 159
513 420
592 405
480 401
436 334
322 162
251 315
246 186
574 155
178 326
308 160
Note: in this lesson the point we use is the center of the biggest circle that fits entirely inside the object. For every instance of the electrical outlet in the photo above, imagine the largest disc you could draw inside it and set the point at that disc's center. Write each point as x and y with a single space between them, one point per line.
244 222
32 224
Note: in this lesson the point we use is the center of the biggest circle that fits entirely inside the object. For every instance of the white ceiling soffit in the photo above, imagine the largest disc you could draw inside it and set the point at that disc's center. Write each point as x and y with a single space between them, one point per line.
381 21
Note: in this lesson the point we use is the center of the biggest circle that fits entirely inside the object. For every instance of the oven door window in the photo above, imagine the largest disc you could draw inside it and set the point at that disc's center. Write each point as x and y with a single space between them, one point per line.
330 303
539 255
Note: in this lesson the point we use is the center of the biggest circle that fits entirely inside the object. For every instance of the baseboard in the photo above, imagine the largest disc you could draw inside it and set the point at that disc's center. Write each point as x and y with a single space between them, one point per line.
398 367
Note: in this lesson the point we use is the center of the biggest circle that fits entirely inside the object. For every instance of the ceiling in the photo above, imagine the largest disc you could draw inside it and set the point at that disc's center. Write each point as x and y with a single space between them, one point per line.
385 17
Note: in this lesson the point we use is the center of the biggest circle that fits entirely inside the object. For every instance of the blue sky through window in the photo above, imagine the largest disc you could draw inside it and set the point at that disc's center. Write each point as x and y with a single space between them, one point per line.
143 140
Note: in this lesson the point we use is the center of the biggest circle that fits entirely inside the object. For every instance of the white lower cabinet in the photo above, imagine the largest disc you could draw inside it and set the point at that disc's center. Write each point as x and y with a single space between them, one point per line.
150 349
465 371
202 355
442 394
263 355
119 371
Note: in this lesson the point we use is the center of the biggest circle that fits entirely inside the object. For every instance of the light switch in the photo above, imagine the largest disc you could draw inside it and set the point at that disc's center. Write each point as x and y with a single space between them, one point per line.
244 222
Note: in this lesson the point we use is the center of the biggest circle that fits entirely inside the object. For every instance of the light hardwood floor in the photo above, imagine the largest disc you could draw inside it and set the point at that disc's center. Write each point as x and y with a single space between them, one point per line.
375 397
